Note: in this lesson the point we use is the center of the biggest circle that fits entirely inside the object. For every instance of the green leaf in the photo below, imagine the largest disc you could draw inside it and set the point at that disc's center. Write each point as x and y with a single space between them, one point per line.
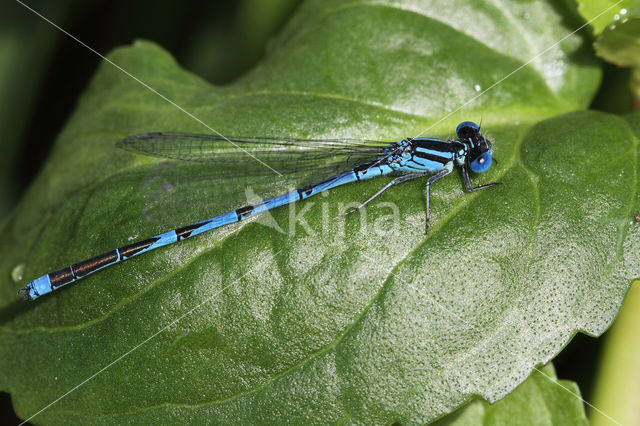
619 373
602 13
541 400
620 43
335 320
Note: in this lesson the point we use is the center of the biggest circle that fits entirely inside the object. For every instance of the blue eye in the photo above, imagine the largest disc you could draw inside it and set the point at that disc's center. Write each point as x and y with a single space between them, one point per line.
482 163
464 124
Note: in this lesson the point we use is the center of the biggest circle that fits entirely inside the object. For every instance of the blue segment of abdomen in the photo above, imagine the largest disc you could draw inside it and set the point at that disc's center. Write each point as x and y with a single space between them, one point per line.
39 286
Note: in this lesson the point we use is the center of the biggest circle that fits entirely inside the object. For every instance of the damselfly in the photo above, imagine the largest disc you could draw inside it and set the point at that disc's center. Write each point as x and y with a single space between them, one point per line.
412 157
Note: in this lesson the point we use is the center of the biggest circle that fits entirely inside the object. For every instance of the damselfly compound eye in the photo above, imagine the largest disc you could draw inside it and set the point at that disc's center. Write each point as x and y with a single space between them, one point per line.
482 163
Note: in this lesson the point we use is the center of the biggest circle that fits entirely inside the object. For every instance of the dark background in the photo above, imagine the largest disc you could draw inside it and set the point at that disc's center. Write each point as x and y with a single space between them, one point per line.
43 71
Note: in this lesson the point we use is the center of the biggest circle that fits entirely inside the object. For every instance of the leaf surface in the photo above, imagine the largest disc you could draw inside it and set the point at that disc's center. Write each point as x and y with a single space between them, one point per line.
603 13
356 320
541 400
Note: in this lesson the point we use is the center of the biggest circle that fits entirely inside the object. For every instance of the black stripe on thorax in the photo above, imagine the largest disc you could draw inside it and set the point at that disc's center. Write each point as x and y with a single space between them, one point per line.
434 157
434 144
414 161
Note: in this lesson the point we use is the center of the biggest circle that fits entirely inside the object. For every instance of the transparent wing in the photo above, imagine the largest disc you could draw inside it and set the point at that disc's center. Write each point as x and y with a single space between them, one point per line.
256 155
220 174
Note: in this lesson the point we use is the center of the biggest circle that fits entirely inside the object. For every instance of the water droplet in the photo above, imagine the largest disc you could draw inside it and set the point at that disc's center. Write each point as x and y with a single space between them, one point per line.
616 17
623 11
477 87
17 273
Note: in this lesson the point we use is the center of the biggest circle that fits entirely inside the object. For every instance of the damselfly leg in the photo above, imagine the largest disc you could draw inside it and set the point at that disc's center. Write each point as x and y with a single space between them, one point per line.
432 179
467 182
384 188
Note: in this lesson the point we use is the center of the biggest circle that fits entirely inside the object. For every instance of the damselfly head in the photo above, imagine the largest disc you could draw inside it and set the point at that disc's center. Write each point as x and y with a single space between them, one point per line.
479 150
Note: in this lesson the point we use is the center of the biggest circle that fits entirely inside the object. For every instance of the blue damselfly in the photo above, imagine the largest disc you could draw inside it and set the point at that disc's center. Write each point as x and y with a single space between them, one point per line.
412 158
